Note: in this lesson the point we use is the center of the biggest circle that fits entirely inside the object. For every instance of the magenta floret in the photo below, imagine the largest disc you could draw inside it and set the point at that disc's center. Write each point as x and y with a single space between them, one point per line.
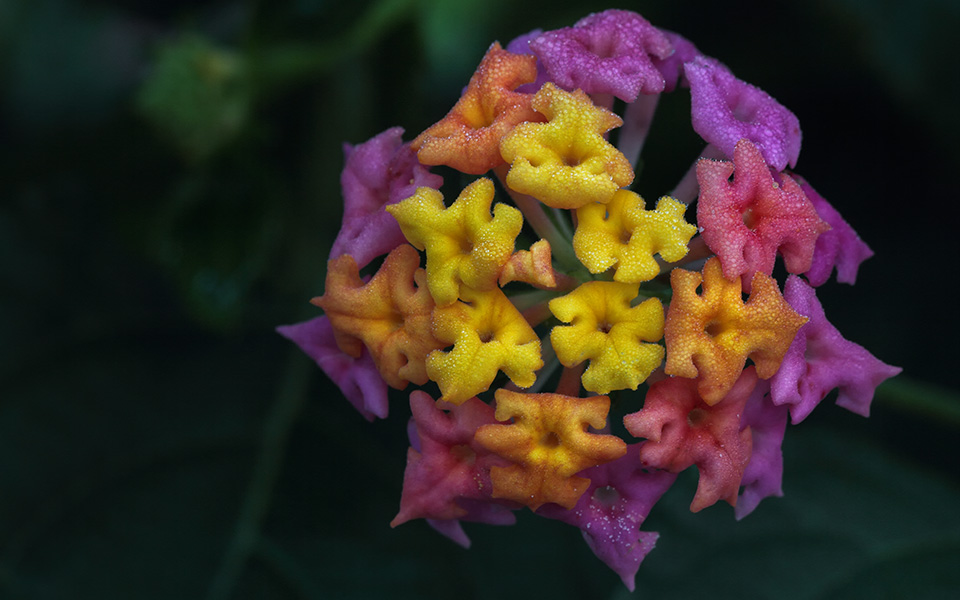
606 53
763 476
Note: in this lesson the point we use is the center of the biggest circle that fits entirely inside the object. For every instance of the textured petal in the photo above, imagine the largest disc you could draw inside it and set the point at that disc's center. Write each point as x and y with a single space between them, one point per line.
712 334
566 162
764 473
358 378
488 334
671 67
605 53
468 138
391 314
725 110
840 247
378 172
623 235
610 513
749 220
820 359
464 243
547 440
683 431
614 336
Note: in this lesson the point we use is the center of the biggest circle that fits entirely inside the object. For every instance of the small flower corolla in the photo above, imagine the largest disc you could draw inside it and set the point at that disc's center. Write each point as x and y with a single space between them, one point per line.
464 243
820 359
624 236
725 110
611 511
547 441
711 335
357 377
381 171
617 339
840 247
682 430
605 53
763 476
391 314
566 162
488 334
468 138
749 220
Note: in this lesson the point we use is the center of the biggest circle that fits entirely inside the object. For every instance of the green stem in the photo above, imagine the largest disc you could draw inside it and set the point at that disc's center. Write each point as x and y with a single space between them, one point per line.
923 399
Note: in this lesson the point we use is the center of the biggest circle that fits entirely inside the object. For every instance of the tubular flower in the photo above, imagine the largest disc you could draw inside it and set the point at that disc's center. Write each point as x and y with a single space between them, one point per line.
747 221
464 243
606 53
723 371
608 332
468 138
712 335
682 430
488 334
623 235
566 162
726 110
391 314
548 443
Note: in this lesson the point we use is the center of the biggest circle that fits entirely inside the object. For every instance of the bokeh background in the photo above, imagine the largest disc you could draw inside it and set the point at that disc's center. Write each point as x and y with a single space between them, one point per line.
168 194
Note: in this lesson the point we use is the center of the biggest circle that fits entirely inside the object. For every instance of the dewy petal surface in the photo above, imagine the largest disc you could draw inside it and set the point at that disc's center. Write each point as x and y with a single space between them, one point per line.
712 334
468 138
840 247
391 314
683 431
357 377
764 473
746 222
617 339
464 243
623 235
381 171
726 110
547 441
566 162
820 359
488 334
610 513
610 52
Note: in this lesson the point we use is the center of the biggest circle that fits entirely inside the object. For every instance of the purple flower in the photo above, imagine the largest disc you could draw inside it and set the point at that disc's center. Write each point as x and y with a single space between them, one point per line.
378 172
764 473
820 359
725 109
671 67
357 378
521 45
606 53
840 247
610 512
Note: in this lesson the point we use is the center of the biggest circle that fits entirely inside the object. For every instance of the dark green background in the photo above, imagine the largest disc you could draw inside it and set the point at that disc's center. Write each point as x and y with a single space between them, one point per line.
158 219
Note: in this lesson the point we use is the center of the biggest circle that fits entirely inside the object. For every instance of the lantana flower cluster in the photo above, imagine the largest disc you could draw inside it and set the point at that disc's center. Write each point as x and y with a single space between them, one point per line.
546 284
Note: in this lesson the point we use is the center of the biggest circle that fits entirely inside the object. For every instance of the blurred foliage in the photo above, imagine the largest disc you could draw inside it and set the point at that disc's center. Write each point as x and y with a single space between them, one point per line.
169 192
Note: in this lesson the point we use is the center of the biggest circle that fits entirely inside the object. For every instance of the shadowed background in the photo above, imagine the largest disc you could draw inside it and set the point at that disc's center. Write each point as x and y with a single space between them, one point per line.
168 195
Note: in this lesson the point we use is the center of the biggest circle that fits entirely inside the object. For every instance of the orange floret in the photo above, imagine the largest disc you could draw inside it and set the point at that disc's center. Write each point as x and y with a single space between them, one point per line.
566 162
390 314
548 442
468 138
712 334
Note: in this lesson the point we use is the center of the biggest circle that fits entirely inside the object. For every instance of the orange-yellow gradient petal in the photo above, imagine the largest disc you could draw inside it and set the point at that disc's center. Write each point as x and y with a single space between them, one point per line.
615 337
468 138
548 442
464 243
623 235
712 334
390 314
566 162
488 334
